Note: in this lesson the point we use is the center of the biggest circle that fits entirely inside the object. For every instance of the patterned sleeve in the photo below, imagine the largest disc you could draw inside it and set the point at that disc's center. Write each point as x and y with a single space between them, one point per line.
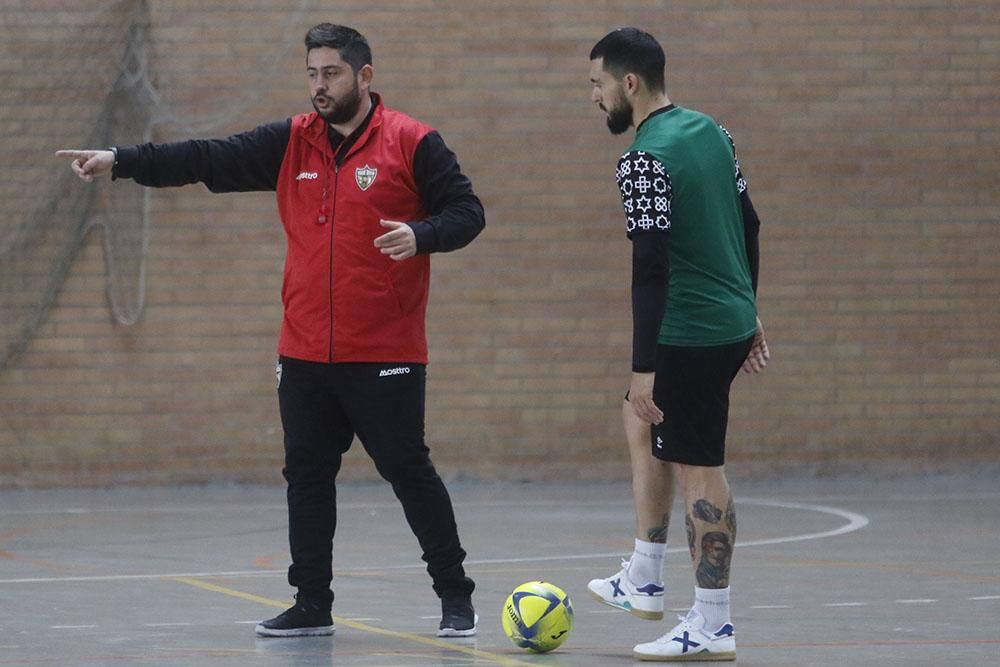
741 183
646 193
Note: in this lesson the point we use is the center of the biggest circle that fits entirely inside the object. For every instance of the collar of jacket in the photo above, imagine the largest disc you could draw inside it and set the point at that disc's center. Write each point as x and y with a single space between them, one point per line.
315 129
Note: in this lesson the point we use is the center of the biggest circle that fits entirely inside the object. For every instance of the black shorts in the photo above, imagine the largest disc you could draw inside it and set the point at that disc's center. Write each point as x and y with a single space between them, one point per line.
692 389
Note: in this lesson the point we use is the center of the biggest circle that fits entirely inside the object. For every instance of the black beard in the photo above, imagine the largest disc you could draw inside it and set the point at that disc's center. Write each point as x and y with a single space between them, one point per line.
341 111
620 119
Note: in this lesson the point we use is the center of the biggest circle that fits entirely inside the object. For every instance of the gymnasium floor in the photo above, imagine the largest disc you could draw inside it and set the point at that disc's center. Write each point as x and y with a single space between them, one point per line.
901 571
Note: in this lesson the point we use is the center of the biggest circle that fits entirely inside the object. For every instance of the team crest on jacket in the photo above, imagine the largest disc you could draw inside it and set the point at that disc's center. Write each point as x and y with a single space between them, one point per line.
365 176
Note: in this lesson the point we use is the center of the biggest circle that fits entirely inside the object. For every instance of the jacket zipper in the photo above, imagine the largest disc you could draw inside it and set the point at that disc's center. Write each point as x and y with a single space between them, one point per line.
333 199
334 165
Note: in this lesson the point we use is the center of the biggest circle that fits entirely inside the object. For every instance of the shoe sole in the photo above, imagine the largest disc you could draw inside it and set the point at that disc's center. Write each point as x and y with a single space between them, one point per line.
321 631
640 613
452 632
704 656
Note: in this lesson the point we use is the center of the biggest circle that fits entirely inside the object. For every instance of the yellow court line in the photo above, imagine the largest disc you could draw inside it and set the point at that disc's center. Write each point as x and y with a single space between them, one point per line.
436 643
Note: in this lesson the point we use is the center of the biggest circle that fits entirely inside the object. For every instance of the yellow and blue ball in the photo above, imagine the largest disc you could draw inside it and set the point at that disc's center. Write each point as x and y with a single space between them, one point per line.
537 616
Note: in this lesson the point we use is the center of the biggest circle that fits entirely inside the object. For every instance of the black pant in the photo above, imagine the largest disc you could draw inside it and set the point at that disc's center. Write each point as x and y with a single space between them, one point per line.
323 406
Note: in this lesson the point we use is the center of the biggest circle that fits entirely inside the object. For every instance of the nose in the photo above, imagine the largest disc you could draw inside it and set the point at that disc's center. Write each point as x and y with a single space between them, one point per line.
595 95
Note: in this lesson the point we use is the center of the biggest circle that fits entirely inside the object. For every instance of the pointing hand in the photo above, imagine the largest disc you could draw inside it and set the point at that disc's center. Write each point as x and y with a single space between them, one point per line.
87 164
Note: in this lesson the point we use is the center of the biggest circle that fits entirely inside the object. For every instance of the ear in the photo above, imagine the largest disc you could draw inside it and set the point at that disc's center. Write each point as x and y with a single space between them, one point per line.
631 83
367 73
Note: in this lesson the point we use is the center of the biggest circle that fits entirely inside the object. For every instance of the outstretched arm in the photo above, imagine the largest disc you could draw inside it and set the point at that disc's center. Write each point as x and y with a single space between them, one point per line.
242 162
88 164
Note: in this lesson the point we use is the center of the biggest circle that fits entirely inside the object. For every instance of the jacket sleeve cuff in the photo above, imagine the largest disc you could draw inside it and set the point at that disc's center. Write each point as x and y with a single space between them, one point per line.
128 158
426 237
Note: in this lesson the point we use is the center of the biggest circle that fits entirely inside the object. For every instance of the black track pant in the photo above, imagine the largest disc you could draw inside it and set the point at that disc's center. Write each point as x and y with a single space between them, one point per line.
323 406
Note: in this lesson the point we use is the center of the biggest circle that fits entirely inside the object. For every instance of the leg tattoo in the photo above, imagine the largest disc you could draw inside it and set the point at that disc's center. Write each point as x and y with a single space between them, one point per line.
716 555
658 534
706 511
689 525
731 519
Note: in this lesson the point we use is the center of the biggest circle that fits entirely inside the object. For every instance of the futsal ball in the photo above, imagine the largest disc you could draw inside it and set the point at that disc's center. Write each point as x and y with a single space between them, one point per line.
537 616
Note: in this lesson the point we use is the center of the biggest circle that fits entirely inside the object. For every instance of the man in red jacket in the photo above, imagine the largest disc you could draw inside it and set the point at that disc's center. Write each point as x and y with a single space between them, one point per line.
365 194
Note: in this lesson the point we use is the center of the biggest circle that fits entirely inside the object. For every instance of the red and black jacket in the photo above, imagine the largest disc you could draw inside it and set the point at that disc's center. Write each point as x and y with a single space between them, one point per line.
344 300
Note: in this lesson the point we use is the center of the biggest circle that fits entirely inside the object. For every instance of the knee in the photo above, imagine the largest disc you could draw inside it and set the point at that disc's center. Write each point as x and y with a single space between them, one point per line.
693 478
414 470
683 473
707 472
297 473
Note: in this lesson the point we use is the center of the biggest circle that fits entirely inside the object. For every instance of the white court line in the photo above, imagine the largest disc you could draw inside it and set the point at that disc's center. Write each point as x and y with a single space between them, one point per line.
71 627
143 510
351 505
855 522
926 601
270 507
142 577
771 606
846 604
166 625
986 597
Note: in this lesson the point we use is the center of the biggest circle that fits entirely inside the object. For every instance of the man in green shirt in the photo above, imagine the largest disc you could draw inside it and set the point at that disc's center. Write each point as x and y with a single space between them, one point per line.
694 276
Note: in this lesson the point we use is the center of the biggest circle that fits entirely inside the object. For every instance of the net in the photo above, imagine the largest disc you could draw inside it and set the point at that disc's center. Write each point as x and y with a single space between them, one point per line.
79 75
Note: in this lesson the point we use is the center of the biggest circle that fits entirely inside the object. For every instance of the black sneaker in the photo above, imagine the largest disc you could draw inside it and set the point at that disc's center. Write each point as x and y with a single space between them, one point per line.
458 618
305 619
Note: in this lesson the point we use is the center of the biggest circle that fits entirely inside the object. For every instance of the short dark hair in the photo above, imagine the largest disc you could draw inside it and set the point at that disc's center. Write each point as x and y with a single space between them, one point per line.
630 50
349 43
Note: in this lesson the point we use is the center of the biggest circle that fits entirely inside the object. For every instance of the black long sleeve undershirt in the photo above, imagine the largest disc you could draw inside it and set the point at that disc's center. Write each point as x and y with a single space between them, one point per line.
455 214
751 233
650 273
245 162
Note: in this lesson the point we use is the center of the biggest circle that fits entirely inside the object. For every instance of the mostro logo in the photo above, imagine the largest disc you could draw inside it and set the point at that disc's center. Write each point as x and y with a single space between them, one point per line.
307 176
387 372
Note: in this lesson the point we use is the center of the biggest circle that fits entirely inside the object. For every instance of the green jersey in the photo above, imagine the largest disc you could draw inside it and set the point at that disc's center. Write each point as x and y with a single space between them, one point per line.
680 175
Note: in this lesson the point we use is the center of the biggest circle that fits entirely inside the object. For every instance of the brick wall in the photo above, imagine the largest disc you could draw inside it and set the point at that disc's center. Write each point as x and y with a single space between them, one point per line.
869 133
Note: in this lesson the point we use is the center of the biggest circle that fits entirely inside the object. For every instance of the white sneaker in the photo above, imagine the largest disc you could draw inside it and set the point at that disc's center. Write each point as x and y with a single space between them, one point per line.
645 601
690 641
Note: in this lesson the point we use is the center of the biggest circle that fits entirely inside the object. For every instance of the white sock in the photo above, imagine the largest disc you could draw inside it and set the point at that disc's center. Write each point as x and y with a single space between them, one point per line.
646 564
713 605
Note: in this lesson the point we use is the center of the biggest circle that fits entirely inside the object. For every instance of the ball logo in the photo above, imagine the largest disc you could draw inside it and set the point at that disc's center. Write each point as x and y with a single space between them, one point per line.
512 614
